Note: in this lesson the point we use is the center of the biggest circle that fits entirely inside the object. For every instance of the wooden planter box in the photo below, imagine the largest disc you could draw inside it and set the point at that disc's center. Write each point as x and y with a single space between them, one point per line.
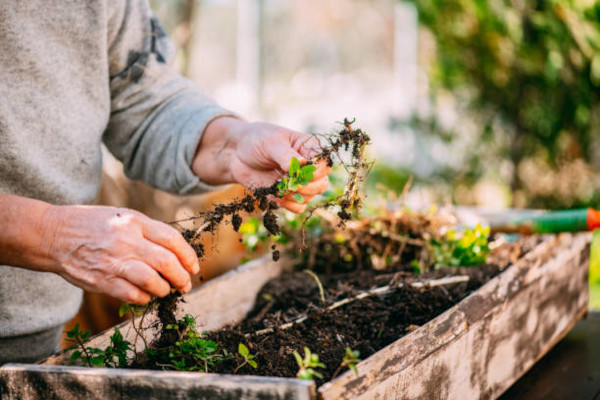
476 349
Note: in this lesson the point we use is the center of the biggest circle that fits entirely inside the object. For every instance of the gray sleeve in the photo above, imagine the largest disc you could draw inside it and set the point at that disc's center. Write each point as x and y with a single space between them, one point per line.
157 116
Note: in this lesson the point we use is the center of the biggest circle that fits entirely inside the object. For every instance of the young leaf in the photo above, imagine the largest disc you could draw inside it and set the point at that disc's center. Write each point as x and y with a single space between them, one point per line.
253 364
243 350
307 173
298 197
293 184
294 166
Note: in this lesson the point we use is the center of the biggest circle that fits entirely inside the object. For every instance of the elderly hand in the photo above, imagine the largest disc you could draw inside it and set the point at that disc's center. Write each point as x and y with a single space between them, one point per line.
118 252
257 155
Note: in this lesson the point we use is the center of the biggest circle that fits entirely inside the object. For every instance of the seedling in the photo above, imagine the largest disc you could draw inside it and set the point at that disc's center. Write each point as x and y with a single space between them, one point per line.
192 352
351 358
308 364
248 358
79 337
297 176
115 354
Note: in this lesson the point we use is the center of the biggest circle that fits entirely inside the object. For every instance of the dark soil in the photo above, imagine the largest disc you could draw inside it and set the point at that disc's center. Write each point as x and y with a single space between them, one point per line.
365 325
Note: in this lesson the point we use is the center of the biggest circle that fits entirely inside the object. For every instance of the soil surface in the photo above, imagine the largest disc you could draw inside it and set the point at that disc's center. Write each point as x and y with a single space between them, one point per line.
366 325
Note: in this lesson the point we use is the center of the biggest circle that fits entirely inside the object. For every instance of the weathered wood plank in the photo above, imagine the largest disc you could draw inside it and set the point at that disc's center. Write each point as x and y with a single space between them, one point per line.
479 347
66 383
221 301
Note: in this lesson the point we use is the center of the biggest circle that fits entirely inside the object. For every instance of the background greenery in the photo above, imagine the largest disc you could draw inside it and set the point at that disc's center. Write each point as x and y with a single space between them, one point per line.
526 75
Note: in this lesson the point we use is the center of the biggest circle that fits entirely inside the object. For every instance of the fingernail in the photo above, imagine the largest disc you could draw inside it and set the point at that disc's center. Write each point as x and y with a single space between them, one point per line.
188 287
196 268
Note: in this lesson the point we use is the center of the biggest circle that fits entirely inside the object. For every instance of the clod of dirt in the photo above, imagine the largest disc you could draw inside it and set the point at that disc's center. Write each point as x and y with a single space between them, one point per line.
276 255
270 223
236 222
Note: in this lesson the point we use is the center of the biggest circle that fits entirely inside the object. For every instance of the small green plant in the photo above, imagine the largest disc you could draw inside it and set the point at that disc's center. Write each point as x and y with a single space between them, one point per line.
192 352
469 248
351 358
297 176
113 356
308 364
248 358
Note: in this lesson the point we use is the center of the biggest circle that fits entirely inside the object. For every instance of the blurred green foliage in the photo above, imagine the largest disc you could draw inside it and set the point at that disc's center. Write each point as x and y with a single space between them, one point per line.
466 248
528 74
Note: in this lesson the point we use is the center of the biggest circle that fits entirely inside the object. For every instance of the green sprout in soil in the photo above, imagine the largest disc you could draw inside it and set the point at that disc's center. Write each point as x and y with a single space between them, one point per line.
248 358
462 249
308 364
113 356
351 358
192 352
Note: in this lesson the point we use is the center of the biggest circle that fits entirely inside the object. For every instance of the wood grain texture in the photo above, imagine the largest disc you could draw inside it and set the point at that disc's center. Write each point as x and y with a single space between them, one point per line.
65 383
479 347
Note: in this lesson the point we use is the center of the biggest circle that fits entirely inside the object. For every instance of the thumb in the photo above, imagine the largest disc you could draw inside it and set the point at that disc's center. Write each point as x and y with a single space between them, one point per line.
284 156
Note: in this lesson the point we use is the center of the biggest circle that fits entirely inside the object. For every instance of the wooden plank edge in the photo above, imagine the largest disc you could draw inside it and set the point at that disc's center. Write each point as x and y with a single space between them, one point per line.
454 322
580 315
27 381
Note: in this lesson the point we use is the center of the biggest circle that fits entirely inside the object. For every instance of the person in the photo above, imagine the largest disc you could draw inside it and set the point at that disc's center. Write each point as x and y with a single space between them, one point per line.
74 74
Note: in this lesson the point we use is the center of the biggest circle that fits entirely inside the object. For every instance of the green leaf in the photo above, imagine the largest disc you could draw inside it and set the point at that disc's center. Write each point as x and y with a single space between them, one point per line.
253 364
298 197
124 309
307 173
243 350
294 166
298 359
97 361
75 356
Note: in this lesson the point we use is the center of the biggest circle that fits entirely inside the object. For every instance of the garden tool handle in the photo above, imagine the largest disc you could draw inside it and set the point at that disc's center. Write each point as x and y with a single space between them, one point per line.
593 219
585 219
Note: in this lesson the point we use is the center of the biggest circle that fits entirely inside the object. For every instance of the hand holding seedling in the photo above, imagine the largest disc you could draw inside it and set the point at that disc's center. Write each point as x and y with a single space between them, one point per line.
256 155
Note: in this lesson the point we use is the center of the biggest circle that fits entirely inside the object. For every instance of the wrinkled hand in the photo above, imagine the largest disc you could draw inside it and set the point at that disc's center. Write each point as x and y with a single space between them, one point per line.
119 252
257 155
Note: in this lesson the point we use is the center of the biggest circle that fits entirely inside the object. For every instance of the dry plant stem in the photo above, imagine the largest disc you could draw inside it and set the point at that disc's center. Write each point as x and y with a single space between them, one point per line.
318 281
369 293
137 330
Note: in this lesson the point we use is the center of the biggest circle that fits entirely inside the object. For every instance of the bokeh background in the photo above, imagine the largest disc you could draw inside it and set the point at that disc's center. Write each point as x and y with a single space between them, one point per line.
489 103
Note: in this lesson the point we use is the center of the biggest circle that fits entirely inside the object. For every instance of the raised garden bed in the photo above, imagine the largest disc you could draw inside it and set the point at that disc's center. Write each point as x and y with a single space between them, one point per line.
475 349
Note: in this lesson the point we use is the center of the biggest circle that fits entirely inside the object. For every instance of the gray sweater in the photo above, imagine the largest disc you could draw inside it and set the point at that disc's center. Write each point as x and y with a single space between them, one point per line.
73 74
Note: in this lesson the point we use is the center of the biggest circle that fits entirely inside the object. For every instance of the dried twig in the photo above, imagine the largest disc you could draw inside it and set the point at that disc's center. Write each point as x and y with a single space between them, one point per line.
451 280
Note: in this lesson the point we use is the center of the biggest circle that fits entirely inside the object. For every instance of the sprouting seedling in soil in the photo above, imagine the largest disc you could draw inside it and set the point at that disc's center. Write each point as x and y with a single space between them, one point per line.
79 337
113 356
192 352
318 281
351 358
297 176
308 364
248 358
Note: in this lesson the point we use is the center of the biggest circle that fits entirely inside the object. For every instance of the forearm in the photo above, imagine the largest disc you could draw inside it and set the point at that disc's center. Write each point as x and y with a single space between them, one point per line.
24 225
216 151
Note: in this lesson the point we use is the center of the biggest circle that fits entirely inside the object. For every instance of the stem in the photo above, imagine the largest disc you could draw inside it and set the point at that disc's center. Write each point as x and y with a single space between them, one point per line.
337 371
369 293
319 284
240 366
87 355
